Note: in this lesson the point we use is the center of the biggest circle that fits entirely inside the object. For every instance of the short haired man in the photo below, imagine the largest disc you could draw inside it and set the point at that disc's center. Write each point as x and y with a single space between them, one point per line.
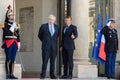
69 34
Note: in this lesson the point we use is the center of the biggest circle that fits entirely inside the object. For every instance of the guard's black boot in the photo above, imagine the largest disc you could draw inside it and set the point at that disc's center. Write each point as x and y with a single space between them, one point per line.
7 69
11 67
12 76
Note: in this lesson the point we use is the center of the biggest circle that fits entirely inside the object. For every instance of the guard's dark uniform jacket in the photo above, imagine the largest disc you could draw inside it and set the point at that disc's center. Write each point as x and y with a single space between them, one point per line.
111 39
8 36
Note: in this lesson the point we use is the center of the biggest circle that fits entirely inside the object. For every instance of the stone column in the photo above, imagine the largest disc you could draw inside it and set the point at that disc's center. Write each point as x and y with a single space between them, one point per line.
80 18
3 7
117 19
116 13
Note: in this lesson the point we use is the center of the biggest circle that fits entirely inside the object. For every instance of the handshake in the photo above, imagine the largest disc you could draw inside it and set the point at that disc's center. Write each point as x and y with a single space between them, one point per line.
13 27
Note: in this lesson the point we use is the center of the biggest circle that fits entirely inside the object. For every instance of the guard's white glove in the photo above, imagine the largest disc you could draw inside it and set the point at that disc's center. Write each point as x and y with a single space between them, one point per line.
18 46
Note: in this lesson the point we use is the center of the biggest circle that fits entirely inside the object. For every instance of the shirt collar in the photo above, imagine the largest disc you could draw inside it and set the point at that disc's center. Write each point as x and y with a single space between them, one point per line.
68 25
50 24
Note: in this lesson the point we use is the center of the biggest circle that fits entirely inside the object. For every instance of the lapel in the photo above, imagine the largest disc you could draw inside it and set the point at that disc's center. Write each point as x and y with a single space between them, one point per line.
67 29
63 30
48 29
55 28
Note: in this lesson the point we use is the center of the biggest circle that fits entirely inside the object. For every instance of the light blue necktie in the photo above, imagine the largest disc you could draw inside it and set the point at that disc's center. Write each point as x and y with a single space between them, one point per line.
51 30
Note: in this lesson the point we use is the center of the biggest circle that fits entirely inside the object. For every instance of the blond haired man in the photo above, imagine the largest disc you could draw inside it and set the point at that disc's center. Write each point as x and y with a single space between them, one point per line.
48 35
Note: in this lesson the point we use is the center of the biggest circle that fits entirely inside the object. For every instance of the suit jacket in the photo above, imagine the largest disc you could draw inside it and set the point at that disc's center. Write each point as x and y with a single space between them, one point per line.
47 40
67 41
111 39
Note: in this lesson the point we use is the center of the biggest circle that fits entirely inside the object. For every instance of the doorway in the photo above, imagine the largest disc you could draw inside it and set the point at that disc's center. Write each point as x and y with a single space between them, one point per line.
64 9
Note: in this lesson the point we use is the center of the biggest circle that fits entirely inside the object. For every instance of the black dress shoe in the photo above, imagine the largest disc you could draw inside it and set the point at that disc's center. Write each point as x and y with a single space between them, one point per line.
12 77
112 77
42 77
108 77
64 77
53 77
69 77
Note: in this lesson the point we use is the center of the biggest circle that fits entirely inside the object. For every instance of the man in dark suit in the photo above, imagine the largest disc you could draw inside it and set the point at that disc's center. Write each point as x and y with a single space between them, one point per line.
111 47
48 34
69 34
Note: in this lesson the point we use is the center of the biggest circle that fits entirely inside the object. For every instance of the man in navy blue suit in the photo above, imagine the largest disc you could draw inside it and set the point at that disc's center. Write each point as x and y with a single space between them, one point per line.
48 34
69 34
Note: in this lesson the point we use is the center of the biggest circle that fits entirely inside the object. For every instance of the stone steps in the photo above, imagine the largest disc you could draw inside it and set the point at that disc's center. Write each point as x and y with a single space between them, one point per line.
68 79
17 71
85 71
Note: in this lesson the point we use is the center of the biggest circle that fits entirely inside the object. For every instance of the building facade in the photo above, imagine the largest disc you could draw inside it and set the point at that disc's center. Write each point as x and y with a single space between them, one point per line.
32 13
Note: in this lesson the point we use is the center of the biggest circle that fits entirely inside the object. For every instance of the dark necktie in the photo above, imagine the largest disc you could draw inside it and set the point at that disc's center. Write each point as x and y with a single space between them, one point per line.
66 29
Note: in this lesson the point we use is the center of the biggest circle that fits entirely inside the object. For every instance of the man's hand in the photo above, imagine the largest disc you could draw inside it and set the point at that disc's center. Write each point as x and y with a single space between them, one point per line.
60 48
72 36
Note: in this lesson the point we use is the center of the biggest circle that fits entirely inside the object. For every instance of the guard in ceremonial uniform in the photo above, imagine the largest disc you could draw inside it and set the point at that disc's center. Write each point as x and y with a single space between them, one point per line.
111 47
11 44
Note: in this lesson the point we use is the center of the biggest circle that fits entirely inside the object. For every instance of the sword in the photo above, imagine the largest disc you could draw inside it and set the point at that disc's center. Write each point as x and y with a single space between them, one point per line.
21 62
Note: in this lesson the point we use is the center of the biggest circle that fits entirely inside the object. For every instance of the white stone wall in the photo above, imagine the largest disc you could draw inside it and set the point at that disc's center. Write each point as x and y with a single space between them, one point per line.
32 61
3 9
42 8
117 19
